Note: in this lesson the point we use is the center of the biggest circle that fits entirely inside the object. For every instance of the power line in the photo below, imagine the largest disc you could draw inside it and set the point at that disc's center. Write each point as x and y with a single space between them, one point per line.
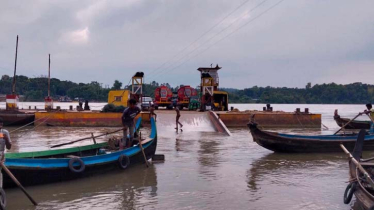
211 38
253 19
201 36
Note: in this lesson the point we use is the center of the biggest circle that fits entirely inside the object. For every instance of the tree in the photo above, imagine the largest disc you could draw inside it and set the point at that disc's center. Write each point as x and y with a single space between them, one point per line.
117 85
5 77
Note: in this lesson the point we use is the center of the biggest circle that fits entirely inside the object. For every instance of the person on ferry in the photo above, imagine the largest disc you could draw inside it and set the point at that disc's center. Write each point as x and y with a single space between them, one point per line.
128 117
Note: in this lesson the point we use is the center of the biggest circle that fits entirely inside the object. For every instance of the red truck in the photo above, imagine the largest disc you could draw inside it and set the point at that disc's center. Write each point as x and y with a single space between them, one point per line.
163 97
185 92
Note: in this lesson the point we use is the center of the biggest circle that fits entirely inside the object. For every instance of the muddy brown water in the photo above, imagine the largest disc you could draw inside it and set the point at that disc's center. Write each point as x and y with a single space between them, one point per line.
203 170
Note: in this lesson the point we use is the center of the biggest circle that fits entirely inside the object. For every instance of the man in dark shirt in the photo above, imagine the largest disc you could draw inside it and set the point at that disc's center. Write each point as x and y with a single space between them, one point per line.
128 117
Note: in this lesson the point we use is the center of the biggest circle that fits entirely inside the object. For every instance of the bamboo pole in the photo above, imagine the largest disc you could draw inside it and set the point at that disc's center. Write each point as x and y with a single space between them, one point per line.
15 70
72 142
93 138
141 147
49 75
18 183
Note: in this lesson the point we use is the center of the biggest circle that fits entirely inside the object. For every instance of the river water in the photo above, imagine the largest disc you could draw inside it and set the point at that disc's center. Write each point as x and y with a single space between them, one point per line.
202 170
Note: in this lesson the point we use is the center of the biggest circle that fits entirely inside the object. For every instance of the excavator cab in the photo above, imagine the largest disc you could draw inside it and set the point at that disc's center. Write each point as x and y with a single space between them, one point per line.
220 101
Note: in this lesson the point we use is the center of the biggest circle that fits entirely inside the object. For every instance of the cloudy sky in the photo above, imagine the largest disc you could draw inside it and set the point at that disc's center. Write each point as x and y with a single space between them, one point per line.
257 42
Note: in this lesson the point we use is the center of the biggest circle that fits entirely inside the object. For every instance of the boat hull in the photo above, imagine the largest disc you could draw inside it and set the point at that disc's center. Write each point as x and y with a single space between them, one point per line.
38 176
14 118
365 199
355 124
298 144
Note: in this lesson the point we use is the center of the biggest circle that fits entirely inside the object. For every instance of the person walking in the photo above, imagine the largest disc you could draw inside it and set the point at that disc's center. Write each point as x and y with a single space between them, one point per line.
177 118
152 111
128 117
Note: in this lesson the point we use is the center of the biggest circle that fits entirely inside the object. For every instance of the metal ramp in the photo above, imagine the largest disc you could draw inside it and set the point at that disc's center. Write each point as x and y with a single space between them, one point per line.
217 123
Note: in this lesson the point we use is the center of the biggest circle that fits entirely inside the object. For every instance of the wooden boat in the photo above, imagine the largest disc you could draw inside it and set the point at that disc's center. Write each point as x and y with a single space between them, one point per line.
362 187
279 142
15 117
46 169
57 153
355 124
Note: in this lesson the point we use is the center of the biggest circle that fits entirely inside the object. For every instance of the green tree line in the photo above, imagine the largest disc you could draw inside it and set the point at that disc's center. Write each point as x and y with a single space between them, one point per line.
35 89
355 93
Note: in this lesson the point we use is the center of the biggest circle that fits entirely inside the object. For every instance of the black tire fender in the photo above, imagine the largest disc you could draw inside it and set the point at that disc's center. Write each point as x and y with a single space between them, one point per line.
348 193
123 161
81 163
2 199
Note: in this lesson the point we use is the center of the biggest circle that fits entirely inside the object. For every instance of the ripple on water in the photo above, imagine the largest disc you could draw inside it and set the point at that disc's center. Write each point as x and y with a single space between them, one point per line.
202 170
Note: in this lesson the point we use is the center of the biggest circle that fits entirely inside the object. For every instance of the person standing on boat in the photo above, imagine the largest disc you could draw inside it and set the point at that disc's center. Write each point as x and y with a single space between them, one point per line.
370 112
177 118
5 142
128 118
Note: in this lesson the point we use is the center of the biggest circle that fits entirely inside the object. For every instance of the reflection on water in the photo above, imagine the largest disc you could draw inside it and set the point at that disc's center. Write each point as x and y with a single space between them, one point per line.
130 189
208 157
202 170
299 181
276 164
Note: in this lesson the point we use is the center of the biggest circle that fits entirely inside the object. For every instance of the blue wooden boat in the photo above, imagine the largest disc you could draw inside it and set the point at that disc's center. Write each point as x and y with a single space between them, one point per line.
40 170
85 150
279 142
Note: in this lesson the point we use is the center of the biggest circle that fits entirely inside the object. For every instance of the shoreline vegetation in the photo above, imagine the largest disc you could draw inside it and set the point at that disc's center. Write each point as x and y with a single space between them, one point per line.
35 89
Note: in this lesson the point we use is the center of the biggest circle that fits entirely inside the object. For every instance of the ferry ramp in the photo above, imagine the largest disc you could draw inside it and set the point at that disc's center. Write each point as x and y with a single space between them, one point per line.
192 121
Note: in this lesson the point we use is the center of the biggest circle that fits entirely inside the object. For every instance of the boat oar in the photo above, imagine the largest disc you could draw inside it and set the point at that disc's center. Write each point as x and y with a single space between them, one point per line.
347 123
359 166
87 138
17 183
141 147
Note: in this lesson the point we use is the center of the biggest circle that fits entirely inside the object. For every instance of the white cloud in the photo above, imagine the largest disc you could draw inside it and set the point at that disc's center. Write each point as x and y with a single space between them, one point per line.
294 43
350 72
103 8
80 36
88 14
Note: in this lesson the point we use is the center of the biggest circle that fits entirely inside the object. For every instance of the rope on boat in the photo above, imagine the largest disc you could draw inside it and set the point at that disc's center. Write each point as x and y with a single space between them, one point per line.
30 123
327 128
36 126
324 126
299 120
352 180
